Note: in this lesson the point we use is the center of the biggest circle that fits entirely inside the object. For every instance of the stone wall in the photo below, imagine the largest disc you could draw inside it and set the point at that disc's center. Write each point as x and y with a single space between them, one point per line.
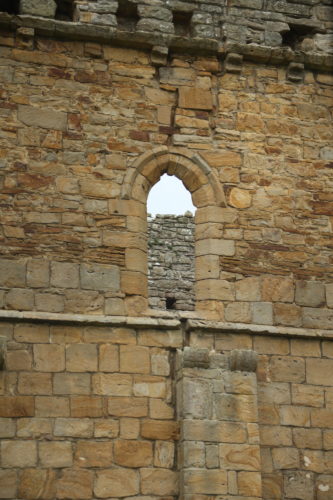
171 262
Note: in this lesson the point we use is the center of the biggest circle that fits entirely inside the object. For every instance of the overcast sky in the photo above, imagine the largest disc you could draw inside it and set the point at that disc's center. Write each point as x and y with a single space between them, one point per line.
169 196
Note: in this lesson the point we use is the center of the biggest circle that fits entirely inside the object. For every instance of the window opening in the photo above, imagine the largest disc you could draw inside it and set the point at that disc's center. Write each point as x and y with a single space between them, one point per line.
10 6
296 35
127 15
182 22
65 10
170 246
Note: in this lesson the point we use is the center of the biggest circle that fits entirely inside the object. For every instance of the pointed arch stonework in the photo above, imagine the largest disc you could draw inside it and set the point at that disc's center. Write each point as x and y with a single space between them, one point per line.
207 196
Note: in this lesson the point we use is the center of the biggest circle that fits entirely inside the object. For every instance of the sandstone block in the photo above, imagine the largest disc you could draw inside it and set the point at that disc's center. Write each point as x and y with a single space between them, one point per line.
195 98
160 362
310 293
128 453
38 274
159 482
94 454
133 283
71 383
47 406
73 427
108 358
127 407
275 435
285 458
239 312
192 454
240 382
299 484
317 370
81 358
49 302
64 275
7 428
18 360
248 289
18 453
17 406
317 318
109 384
134 359
205 482
239 457
287 314
35 383
249 484
240 198
106 428
310 348
34 427
83 301
277 289
262 313
86 406
47 8
197 399
115 307
49 358
150 386
236 407
37 483
165 338
307 438
164 455
99 277
44 118
76 484
160 409
329 294
20 299
322 417
116 483
12 273
213 431
271 345
55 454
295 416
8 483
212 246
309 395
129 428
159 429
287 369
214 289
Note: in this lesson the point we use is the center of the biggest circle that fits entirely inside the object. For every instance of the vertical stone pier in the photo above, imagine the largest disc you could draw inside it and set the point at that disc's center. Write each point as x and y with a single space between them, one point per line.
218 452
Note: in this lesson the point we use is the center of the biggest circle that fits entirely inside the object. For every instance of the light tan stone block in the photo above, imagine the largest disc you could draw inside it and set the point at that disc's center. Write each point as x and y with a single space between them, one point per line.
71 383
308 395
38 274
128 407
110 384
305 347
86 406
37 483
150 386
307 438
55 454
160 363
18 453
239 457
165 338
106 428
34 427
248 289
31 333
287 314
7 428
240 198
18 360
249 483
51 406
212 482
65 334
277 289
129 428
49 358
159 482
76 484
164 454
128 453
238 312
34 383
272 486
285 458
275 435
317 370
195 98
73 427
64 275
271 345
240 407
287 369
214 289
109 335
134 359
94 454
295 416
214 431
81 358
116 483
160 409
133 283
322 417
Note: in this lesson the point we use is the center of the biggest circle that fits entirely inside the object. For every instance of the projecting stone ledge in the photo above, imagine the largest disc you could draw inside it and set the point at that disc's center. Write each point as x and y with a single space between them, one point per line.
243 360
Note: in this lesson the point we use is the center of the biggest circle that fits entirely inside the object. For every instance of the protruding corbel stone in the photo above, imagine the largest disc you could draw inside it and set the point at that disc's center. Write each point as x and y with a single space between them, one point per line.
233 63
25 38
243 360
295 72
159 55
3 341
195 358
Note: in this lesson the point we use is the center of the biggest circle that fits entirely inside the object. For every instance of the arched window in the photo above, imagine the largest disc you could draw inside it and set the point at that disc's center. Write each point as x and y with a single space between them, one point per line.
170 246
208 198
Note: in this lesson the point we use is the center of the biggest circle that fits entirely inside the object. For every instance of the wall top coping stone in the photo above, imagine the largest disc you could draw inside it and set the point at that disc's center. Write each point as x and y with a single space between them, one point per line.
203 326
148 40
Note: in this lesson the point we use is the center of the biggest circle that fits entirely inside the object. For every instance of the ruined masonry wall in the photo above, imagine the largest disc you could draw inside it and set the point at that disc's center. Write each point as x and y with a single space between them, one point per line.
171 262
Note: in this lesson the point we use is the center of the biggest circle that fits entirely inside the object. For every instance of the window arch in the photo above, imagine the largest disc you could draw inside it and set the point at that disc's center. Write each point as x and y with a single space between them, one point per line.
207 196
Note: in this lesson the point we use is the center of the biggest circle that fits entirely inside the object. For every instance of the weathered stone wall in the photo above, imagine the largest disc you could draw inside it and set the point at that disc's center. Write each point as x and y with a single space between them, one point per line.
171 262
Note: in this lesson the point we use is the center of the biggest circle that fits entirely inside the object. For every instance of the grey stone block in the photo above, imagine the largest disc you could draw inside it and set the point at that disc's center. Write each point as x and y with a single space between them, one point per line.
262 313
41 8
310 293
99 277
38 273
12 273
20 299
44 118
64 275
244 360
